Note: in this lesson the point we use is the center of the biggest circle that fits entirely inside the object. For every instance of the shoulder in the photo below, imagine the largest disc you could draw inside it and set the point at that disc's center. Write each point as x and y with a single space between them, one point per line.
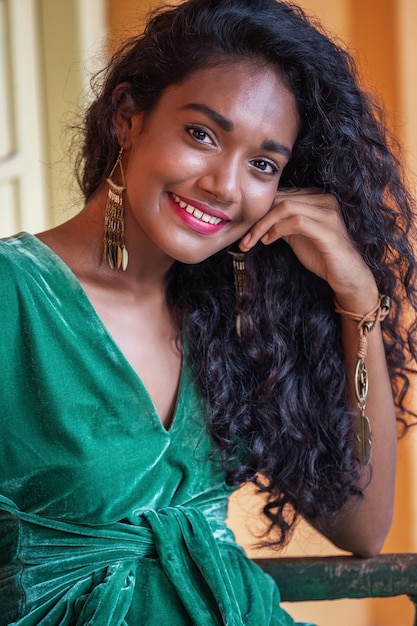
25 268
16 250
10 258
16 260
29 275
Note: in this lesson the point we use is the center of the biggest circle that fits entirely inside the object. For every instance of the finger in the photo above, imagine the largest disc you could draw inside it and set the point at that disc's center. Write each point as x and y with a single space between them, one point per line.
327 230
298 192
300 207
312 197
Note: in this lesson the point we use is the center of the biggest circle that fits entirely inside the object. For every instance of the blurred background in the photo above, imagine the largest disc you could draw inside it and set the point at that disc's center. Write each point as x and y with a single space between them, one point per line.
49 49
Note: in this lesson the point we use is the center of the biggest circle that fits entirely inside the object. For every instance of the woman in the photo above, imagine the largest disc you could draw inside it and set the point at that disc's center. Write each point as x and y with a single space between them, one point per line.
228 329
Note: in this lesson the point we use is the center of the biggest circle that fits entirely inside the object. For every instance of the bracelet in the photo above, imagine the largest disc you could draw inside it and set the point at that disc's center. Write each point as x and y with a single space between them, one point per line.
366 323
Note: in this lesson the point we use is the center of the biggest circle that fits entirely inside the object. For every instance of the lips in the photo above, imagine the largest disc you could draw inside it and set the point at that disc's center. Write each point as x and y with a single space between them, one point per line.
198 213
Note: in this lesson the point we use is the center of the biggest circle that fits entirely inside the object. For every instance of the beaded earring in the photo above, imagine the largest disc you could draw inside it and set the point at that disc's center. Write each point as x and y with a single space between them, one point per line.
115 251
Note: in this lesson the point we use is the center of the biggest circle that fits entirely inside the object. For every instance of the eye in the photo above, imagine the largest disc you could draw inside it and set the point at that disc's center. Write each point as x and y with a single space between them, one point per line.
265 166
200 134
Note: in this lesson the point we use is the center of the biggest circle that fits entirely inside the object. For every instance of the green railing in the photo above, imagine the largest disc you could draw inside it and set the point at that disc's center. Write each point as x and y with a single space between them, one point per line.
334 577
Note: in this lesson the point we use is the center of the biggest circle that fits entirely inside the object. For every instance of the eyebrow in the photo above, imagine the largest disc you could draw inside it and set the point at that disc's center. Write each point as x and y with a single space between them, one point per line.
275 146
228 126
222 121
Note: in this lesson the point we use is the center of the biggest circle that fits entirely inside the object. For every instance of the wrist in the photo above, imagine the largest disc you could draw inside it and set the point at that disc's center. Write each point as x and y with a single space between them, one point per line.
361 301
366 321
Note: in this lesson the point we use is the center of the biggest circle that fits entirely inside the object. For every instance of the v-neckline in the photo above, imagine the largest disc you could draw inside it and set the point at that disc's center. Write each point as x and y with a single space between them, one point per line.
136 379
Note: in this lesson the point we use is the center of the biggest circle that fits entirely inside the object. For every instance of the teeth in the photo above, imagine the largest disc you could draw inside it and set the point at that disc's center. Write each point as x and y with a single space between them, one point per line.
204 217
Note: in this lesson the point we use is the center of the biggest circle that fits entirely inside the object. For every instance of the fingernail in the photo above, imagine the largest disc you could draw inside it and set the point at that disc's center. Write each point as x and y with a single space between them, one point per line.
246 240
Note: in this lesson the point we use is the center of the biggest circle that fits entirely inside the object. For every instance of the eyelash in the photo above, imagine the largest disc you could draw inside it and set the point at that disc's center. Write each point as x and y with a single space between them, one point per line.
195 130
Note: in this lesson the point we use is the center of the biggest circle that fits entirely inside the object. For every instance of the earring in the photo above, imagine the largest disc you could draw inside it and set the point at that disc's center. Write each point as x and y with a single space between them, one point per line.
240 280
115 251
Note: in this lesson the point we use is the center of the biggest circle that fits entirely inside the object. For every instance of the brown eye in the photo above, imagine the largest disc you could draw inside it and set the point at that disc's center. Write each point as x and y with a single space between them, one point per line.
200 134
266 166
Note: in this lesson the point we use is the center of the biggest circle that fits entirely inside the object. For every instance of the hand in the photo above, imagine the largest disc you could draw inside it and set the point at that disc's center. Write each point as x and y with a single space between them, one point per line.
310 221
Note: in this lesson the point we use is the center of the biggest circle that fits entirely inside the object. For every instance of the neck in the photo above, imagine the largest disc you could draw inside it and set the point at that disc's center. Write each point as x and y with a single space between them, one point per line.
79 242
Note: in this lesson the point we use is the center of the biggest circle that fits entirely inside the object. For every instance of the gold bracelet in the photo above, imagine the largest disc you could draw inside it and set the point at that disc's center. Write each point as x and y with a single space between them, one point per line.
366 323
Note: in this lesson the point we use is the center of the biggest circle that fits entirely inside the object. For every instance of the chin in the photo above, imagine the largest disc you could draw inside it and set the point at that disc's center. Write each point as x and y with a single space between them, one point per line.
193 259
191 254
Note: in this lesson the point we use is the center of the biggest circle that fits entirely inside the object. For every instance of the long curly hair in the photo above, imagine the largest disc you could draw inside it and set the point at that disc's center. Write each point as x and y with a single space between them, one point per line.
276 393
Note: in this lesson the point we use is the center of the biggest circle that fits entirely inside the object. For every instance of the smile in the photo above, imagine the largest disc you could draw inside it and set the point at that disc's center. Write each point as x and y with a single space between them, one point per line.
203 217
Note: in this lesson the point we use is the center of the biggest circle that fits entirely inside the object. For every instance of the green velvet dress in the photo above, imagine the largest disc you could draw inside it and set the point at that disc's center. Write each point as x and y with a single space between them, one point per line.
106 518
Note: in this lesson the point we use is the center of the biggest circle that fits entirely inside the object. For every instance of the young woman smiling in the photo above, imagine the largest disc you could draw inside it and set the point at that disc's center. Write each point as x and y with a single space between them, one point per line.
217 313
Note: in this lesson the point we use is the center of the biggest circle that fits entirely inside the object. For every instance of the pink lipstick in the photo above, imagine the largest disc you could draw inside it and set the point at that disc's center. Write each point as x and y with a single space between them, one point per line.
198 216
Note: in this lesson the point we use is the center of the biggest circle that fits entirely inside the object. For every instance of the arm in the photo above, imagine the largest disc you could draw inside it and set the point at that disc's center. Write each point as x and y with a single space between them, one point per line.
362 529
311 224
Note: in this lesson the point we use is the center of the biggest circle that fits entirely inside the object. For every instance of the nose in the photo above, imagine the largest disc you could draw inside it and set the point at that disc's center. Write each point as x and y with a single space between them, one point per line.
221 179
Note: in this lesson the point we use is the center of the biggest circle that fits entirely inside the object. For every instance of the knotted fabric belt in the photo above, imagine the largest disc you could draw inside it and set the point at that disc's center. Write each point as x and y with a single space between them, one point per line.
86 575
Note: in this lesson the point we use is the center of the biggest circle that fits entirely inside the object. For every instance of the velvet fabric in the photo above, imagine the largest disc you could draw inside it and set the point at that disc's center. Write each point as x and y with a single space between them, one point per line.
106 517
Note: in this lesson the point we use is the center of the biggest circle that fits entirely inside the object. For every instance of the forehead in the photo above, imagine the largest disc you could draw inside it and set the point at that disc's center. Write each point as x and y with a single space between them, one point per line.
242 91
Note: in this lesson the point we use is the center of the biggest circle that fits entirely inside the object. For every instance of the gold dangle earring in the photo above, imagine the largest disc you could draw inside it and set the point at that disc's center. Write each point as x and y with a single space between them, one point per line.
240 280
115 251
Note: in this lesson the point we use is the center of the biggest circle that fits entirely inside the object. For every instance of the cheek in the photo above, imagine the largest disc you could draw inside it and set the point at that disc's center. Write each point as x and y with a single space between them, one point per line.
175 166
258 205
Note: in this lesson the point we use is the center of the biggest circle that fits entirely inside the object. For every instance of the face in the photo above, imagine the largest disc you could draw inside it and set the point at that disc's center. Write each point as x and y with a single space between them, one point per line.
204 165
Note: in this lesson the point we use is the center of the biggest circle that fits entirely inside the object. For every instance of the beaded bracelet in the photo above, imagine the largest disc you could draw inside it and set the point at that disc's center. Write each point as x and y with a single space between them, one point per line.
366 323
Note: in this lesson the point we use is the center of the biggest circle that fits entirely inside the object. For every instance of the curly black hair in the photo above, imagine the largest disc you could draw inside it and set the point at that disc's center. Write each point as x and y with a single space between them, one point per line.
278 411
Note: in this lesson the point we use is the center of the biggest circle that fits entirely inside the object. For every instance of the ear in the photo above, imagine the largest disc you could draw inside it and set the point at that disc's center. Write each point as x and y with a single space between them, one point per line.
124 112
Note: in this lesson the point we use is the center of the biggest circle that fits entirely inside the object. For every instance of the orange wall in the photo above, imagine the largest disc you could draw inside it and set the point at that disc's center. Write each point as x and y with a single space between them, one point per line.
125 16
